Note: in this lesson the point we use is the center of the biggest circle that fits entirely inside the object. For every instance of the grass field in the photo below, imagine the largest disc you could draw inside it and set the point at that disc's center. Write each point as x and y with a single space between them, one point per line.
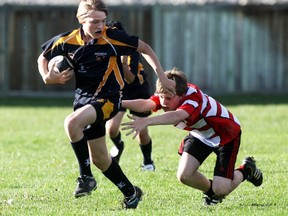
38 168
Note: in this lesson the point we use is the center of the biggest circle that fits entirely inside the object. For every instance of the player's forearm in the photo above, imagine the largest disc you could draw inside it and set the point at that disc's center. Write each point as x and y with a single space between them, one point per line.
128 75
138 105
51 77
42 68
164 119
152 60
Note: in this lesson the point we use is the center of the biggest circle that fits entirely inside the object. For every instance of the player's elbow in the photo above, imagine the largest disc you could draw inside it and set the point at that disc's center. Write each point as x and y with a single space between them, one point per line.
144 47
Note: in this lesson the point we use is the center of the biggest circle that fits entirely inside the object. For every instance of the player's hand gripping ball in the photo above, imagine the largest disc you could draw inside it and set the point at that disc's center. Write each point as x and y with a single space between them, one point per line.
60 63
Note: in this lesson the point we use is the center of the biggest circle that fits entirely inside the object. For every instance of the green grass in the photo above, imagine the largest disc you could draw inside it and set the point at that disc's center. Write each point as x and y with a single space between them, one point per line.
38 168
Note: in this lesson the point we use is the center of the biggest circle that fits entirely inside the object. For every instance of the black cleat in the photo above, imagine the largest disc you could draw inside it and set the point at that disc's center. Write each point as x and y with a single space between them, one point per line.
132 202
85 185
255 175
213 200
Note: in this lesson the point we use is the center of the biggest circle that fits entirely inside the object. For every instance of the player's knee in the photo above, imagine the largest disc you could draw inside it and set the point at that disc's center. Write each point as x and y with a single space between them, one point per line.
68 122
70 125
182 177
112 131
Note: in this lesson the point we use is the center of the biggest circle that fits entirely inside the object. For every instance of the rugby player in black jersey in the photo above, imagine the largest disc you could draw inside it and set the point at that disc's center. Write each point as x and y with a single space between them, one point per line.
96 52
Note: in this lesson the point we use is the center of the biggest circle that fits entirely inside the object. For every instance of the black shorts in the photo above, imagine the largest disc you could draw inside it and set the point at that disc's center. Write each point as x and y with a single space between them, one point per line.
226 154
137 92
105 109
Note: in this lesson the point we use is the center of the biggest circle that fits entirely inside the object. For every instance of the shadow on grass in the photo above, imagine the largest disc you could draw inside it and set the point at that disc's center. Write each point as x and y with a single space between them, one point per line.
249 99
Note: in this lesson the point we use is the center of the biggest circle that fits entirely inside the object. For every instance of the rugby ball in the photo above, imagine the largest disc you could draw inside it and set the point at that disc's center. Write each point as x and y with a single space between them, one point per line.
60 63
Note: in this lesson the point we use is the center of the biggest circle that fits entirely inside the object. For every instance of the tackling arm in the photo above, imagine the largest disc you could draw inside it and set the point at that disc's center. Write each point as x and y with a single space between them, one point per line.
153 61
167 118
139 105
139 124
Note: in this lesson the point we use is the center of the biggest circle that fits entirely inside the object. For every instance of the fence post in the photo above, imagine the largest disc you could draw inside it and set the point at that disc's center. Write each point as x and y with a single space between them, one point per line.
4 60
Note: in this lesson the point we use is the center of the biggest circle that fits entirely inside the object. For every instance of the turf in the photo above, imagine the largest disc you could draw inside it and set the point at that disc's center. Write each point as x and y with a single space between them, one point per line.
38 168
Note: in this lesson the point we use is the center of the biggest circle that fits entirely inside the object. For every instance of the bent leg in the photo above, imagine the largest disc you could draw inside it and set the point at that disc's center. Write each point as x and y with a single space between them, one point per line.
189 175
145 144
99 153
223 186
110 168
113 125
113 131
76 121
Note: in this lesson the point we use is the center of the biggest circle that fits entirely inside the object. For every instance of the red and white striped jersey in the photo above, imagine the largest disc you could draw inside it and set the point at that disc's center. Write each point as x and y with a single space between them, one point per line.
208 120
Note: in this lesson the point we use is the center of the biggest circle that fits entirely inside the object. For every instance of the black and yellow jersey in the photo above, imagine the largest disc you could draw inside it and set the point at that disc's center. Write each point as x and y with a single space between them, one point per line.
97 64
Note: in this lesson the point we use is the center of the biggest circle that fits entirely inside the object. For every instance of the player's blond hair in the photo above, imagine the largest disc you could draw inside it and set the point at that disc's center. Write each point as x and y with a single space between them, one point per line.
87 6
180 80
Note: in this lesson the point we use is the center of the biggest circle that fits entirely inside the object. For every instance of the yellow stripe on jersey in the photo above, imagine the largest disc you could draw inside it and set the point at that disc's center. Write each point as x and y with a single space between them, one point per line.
102 41
107 109
74 38
112 66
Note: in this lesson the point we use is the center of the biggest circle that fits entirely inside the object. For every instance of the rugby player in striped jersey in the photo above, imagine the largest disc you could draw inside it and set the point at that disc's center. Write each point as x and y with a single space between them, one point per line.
212 128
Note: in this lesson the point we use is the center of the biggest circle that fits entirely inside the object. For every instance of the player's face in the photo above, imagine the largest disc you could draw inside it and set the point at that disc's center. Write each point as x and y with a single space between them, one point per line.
94 24
169 102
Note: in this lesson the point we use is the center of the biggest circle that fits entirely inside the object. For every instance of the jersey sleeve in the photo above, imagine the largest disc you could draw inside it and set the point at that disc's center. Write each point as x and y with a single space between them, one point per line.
55 46
124 43
51 48
189 106
156 99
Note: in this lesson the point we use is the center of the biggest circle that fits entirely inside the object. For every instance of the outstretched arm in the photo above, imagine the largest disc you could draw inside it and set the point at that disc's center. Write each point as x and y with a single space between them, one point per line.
167 118
153 61
139 105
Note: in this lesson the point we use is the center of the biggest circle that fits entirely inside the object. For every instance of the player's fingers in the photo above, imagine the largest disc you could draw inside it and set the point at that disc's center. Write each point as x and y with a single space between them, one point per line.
129 116
126 123
135 135
130 132
66 75
126 127
67 72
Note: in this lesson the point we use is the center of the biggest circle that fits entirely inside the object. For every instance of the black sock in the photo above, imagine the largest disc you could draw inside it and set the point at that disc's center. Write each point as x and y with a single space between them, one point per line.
115 174
82 154
118 142
146 151
210 192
